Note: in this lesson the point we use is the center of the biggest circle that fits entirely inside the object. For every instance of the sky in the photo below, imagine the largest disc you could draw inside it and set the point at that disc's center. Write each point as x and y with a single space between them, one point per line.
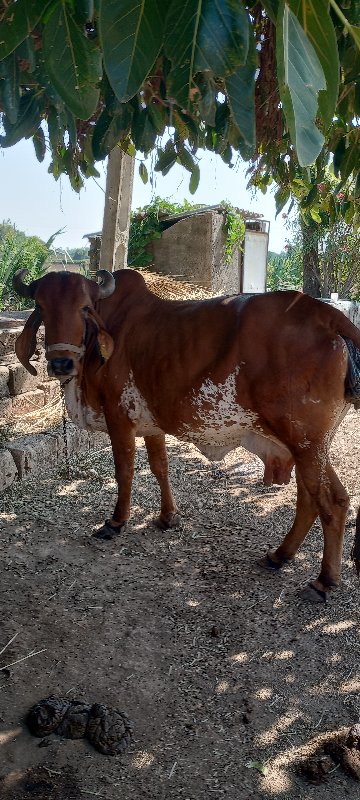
38 205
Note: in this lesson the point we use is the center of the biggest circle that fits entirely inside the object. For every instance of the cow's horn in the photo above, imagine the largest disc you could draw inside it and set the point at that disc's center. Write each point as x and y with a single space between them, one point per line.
107 284
21 288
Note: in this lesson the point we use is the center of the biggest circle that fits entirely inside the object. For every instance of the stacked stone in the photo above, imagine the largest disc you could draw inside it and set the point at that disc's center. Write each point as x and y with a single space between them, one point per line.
22 393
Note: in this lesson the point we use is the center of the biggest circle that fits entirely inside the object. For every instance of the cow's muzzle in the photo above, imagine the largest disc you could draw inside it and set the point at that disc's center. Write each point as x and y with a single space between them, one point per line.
60 367
63 366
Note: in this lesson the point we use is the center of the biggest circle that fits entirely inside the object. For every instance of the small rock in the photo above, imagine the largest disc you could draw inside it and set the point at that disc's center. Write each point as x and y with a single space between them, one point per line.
215 631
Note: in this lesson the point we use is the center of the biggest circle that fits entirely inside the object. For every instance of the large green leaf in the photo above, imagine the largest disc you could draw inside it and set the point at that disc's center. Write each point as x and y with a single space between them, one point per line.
17 23
9 88
222 126
350 158
355 33
28 120
39 144
131 34
301 78
166 158
315 19
109 129
240 88
73 62
200 36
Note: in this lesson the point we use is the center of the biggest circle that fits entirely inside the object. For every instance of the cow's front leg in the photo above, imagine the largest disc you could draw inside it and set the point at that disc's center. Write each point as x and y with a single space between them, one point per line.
159 465
123 447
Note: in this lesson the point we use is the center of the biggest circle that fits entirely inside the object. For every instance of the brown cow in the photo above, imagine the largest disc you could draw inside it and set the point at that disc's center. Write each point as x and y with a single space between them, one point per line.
266 372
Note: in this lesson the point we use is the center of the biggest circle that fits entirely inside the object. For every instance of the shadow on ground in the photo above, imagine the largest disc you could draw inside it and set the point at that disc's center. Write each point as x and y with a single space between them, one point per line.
230 679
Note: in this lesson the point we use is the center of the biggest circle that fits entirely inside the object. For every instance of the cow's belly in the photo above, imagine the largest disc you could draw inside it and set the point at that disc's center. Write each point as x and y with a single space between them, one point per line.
219 424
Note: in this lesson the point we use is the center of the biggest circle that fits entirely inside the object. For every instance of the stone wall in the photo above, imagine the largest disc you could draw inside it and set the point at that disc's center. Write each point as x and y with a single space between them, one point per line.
21 394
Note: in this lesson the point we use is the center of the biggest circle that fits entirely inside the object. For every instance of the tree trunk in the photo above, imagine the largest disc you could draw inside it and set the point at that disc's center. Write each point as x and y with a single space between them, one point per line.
115 232
311 271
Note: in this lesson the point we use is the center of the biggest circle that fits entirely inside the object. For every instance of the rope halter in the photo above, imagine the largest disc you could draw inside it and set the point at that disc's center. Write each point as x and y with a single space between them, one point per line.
61 346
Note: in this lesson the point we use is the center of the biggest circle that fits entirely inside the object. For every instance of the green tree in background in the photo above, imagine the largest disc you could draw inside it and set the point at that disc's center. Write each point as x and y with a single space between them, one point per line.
338 262
18 251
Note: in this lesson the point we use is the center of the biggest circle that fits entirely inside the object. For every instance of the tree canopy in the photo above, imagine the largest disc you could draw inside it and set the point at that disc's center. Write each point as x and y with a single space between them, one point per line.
276 82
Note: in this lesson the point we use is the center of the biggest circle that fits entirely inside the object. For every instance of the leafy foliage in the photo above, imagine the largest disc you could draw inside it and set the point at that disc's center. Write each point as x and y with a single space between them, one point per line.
338 248
18 251
255 78
284 270
79 253
234 226
145 227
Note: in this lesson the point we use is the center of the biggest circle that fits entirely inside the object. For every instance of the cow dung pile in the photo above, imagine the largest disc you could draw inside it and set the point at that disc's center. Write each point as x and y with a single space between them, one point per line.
340 750
168 288
108 729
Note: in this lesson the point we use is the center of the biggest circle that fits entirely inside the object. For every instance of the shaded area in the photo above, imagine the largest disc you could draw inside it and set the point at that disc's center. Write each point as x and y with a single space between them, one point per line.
220 665
40 783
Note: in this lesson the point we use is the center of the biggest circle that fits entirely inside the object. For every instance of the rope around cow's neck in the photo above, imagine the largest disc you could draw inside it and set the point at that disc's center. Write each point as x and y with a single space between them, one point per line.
64 421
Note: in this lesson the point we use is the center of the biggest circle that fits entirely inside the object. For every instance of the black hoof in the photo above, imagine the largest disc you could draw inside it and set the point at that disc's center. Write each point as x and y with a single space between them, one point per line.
313 595
165 524
268 563
108 531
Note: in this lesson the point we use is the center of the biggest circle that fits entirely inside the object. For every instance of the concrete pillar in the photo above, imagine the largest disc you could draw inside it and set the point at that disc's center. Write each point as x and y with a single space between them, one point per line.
118 194
94 256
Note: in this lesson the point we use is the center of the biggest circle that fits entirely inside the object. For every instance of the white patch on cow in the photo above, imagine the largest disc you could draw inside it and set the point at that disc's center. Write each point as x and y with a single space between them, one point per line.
307 399
136 408
219 421
82 415
303 445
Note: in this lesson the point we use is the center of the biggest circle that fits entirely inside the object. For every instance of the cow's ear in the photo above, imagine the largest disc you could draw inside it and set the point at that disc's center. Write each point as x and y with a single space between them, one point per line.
26 343
106 344
105 341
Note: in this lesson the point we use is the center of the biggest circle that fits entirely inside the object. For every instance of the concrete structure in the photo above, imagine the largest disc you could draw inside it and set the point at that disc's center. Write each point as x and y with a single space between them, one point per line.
192 247
118 194
351 308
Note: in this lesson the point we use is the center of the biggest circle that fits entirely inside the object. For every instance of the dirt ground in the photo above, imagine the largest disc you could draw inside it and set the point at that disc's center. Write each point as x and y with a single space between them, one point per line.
230 679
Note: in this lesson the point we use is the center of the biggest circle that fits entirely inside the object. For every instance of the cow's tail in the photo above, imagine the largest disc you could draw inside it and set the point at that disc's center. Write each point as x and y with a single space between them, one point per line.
355 551
343 326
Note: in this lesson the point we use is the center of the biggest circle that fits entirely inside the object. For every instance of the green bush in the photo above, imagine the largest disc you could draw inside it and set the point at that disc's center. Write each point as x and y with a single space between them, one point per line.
18 251
145 227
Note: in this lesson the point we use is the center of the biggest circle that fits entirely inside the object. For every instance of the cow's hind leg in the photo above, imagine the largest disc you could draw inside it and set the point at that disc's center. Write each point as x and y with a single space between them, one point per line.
332 503
159 465
306 513
320 493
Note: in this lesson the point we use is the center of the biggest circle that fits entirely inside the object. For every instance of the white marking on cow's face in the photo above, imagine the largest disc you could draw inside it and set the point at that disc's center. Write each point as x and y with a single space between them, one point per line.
136 408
